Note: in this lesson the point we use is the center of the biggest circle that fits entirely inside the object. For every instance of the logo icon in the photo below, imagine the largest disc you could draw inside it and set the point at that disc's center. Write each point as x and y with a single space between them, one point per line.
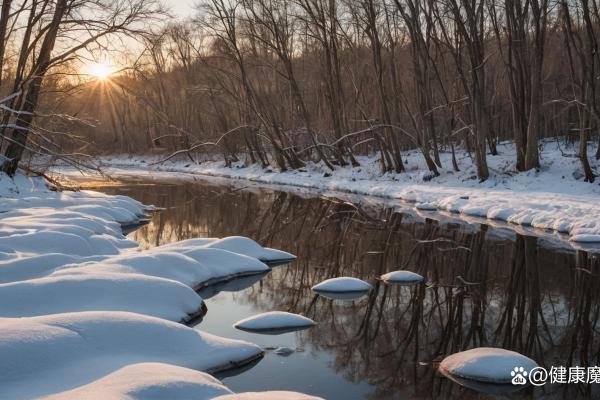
518 375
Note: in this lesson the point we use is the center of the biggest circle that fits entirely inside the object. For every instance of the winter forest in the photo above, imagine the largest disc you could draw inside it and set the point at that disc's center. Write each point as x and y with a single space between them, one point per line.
285 82
299 199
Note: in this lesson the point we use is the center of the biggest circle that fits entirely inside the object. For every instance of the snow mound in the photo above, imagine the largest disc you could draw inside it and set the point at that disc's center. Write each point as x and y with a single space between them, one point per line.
402 277
585 238
342 284
146 381
274 321
486 364
149 381
274 395
64 351
194 268
224 264
18 268
248 247
100 291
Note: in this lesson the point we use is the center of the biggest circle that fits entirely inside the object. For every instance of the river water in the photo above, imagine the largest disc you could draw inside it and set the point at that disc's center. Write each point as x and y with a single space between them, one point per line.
487 286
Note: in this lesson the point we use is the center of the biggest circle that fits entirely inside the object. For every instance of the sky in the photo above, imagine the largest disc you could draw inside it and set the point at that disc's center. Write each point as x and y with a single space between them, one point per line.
183 8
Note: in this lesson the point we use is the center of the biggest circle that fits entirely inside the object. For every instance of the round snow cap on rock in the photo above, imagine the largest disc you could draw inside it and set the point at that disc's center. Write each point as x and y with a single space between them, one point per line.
342 284
488 364
274 322
402 277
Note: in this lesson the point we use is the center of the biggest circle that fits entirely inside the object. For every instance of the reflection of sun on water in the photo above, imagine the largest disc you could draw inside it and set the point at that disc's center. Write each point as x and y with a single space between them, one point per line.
100 71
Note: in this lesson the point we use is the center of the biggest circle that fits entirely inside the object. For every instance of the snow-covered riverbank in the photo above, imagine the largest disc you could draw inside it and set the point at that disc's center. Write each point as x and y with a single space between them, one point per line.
553 198
85 314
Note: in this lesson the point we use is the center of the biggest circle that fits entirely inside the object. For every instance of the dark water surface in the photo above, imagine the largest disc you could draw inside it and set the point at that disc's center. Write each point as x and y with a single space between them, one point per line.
486 287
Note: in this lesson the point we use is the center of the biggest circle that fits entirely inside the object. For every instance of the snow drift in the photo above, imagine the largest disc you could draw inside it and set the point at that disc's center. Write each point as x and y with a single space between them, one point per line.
63 351
97 319
162 381
100 291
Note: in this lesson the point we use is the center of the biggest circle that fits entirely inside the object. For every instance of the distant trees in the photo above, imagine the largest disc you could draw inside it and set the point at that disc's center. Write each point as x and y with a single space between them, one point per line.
290 81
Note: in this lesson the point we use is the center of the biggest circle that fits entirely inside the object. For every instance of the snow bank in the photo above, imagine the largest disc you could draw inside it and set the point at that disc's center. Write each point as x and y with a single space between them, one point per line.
402 277
194 267
18 267
274 321
235 244
163 381
64 351
149 381
486 364
342 284
96 318
553 198
65 263
69 247
100 291
249 247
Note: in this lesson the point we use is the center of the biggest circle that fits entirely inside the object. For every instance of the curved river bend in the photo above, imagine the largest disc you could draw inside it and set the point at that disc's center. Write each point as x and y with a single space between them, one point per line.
487 287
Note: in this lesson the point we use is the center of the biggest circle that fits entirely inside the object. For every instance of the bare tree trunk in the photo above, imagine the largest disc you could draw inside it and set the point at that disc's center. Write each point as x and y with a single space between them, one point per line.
376 49
585 80
539 17
4 18
19 135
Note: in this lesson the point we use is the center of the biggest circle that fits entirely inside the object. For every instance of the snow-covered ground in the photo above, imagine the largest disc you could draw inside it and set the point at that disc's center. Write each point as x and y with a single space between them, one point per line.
84 313
554 198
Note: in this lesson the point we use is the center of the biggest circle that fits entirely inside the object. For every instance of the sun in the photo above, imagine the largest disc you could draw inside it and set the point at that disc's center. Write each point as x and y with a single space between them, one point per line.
101 71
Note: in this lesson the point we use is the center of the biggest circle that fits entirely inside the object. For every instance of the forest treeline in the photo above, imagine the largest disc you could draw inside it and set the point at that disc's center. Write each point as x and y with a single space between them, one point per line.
286 82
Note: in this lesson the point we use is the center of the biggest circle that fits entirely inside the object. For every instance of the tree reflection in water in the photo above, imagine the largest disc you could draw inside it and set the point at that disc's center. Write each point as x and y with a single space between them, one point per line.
485 287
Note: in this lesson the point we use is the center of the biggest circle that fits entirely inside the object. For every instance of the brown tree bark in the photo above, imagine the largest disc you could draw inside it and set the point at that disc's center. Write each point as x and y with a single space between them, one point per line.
19 134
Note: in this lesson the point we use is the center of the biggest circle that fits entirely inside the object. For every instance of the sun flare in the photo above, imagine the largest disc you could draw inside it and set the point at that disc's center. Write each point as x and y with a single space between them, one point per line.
100 71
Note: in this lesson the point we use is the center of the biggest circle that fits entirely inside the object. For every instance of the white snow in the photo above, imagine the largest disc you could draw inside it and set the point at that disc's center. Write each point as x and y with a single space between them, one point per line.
249 247
99 291
274 320
342 284
486 364
553 198
84 314
194 268
69 247
54 353
148 381
402 277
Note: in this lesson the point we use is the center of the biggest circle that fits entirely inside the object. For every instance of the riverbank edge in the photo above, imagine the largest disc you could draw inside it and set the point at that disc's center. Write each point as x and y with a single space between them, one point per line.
536 199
